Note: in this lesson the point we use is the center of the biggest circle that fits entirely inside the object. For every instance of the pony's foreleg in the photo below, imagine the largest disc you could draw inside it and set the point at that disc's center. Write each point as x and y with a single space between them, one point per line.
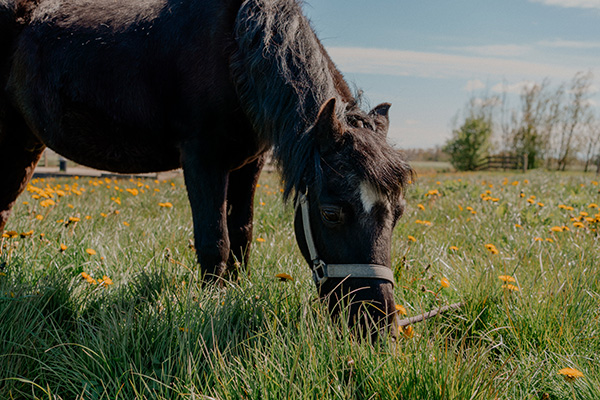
19 154
207 188
240 212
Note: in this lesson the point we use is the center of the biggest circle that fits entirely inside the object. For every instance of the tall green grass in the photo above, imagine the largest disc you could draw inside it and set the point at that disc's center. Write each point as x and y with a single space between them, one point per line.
157 333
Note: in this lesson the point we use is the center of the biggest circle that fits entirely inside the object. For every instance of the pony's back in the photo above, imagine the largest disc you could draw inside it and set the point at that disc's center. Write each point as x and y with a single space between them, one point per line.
8 32
12 13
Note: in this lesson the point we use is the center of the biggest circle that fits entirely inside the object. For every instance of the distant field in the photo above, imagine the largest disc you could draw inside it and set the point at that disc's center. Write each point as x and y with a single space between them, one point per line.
431 167
99 297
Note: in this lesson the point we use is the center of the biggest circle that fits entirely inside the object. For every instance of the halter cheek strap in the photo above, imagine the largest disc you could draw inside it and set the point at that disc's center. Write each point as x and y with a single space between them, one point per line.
322 271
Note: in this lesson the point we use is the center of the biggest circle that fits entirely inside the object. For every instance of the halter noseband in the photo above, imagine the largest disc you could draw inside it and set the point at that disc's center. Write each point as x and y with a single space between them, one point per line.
322 271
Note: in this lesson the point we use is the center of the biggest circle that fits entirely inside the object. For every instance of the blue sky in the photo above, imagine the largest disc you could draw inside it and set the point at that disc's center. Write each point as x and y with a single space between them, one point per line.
428 57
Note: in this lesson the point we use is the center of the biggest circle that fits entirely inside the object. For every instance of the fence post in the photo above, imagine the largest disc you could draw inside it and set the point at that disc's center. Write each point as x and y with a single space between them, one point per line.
62 164
525 162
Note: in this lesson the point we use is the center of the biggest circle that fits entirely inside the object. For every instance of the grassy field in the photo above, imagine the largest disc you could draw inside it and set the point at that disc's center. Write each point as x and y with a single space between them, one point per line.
99 298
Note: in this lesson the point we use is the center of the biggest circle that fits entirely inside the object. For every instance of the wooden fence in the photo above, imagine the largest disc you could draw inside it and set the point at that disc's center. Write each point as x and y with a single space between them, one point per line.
504 162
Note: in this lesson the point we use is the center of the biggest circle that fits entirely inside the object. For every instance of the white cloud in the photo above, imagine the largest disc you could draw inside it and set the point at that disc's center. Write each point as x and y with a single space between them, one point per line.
474 84
495 50
569 44
487 102
571 3
441 65
512 88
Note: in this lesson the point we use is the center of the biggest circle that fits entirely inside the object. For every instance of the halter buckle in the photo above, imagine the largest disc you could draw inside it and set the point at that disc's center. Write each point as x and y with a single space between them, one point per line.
319 271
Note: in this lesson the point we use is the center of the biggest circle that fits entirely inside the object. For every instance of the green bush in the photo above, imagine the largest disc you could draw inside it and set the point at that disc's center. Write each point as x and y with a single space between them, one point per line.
469 144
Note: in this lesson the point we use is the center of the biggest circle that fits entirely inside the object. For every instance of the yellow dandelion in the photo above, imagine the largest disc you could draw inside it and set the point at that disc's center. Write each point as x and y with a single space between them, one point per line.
91 252
507 278
453 248
510 287
491 248
556 229
106 280
74 219
39 217
166 205
445 283
25 234
407 331
47 203
538 239
578 224
401 310
284 277
63 247
518 226
421 206
570 374
88 278
411 238
125 223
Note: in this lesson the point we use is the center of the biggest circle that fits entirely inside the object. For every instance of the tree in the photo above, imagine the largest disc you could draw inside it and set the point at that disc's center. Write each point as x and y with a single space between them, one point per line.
591 141
573 115
528 136
470 143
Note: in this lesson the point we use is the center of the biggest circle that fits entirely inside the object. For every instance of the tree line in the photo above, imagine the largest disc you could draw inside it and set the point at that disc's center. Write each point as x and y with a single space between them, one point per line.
552 127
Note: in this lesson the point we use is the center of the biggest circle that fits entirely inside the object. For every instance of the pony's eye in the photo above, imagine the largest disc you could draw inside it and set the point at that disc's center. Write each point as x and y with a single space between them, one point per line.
331 215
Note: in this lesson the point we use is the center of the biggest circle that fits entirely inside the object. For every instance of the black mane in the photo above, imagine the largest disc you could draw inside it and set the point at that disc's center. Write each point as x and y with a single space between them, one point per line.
283 75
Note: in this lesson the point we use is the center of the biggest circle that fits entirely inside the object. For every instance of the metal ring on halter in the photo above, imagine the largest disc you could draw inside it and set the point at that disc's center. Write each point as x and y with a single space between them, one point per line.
321 270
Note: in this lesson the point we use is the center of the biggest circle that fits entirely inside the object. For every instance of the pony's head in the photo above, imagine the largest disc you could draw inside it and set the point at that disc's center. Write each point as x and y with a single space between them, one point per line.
346 210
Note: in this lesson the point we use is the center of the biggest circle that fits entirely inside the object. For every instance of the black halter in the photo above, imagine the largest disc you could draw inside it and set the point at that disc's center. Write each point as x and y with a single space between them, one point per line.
321 270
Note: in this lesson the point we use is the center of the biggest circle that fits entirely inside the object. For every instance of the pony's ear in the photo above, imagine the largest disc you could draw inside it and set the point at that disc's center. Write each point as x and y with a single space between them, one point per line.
381 116
328 128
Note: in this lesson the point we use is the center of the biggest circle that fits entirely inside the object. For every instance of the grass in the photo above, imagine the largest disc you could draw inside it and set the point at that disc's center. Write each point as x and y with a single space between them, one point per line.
147 329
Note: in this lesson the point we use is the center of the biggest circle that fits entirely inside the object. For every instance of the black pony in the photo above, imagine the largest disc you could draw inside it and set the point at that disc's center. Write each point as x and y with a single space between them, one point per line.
210 86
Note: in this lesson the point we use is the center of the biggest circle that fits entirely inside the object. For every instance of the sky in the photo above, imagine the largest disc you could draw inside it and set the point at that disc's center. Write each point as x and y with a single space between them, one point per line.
429 57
